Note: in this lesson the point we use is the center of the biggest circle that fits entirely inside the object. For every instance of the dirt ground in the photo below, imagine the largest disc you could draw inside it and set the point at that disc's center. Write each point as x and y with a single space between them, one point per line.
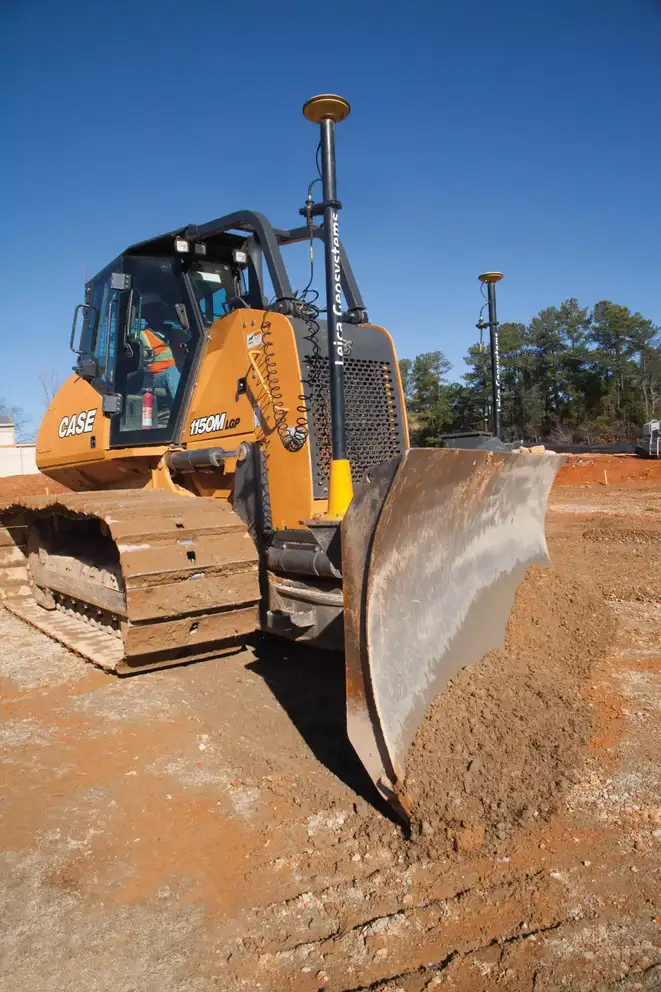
608 470
500 746
208 827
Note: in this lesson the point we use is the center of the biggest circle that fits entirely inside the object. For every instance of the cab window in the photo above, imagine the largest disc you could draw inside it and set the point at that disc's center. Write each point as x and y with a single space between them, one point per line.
101 328
214 285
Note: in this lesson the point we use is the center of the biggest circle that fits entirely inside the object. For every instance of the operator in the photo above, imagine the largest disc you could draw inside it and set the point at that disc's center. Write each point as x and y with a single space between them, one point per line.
160 360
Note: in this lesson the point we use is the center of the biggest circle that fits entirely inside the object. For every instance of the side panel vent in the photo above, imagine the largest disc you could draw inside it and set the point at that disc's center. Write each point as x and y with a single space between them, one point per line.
373 404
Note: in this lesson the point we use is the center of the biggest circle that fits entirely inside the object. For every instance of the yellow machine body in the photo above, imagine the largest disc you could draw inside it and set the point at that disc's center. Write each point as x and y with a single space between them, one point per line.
73 444
195 440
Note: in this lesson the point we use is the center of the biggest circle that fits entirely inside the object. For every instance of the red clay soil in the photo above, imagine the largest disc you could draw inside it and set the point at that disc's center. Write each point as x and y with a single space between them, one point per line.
28 485
621 469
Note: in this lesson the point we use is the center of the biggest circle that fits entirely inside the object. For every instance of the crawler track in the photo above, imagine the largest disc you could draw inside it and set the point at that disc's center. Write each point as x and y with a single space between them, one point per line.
130 579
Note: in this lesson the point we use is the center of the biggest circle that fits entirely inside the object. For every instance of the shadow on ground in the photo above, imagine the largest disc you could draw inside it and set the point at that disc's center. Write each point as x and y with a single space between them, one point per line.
309 684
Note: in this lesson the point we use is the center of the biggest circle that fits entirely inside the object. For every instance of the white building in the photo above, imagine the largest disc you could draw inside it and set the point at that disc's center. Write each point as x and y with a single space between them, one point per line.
15 459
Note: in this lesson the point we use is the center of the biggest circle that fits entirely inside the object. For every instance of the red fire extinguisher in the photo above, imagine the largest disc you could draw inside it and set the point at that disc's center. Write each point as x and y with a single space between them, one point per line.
147 409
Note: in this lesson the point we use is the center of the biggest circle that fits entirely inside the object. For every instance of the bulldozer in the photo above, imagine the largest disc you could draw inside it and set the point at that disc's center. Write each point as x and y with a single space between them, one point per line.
237 458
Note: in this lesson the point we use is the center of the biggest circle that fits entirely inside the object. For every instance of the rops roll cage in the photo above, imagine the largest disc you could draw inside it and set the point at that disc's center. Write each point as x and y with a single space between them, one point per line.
264 243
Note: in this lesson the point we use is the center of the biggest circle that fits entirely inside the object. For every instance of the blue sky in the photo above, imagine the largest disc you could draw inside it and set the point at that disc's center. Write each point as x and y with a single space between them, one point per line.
520 136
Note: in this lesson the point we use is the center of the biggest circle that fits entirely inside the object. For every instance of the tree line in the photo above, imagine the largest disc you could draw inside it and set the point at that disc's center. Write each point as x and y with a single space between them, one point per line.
572 375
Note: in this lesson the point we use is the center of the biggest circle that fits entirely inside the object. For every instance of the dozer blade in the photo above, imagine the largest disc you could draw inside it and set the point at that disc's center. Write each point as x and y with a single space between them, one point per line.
434 546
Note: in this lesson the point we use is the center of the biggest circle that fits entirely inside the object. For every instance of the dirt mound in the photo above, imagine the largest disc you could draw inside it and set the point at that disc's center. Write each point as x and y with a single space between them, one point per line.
505 739
12 486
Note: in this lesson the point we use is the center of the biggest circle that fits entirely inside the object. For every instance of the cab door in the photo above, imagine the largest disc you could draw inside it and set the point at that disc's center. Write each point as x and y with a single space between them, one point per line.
155 356
102 330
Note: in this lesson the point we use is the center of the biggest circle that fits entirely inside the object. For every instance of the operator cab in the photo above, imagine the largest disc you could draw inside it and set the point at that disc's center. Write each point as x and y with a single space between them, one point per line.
146 314
144 317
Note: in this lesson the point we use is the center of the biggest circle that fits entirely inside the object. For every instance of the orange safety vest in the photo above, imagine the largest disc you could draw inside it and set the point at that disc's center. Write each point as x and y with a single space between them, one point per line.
163 358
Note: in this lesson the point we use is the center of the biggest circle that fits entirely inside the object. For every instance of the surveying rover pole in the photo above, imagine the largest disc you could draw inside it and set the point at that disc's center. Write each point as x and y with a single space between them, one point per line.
327 110
491 278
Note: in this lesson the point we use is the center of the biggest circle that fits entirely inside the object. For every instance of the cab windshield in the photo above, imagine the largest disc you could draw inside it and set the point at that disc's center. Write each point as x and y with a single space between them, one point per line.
214 285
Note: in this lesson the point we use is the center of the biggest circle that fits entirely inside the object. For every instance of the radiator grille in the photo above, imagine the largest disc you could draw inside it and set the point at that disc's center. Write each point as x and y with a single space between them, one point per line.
373 429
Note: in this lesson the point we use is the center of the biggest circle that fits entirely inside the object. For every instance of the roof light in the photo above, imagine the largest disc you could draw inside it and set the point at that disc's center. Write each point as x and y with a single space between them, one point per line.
180 244
240 257
200 248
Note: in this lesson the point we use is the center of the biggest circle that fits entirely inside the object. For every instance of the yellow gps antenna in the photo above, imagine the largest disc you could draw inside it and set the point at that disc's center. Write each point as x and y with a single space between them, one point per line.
327 110
491 278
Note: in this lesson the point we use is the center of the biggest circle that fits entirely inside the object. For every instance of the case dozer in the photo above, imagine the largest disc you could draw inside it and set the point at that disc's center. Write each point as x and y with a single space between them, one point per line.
237 462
